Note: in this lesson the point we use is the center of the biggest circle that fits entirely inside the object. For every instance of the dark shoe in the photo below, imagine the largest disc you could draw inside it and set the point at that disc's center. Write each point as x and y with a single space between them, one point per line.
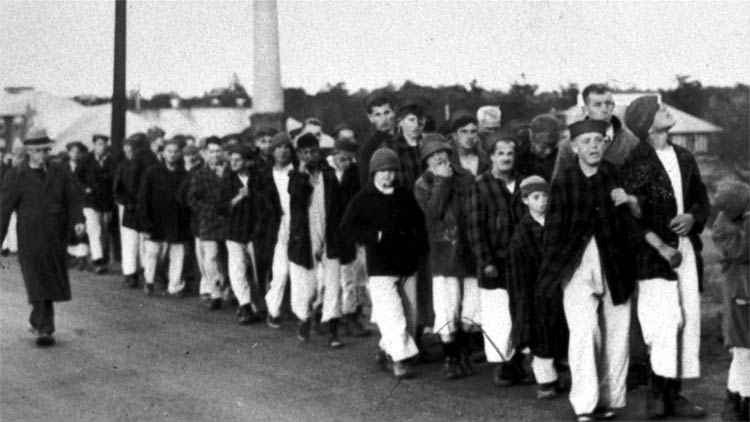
273 322
549 391
505 374
586 417
245 315
683 408
130 282
333 337
5 252
317 325
355 326
604 414
452 369
402 370
732 410
82 264
213 304
100 269
655 399
303 330
464 354
45 340
383 360
148 288
745 408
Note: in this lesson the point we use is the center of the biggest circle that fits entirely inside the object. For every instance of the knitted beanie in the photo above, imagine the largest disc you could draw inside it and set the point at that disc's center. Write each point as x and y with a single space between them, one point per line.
280 139
433 143
639 116
732 197
384 159
533 184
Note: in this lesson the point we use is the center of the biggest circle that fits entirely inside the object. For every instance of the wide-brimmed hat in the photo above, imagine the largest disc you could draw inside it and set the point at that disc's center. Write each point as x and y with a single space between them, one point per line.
37 138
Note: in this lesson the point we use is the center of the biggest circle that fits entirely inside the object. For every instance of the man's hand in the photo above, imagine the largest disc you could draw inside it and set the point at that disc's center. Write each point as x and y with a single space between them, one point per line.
682 224
619 196
490 271
79 229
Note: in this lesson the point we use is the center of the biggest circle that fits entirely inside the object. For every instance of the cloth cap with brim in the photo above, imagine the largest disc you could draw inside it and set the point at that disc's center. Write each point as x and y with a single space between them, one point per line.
384 159
409 109
308 140
489 117
433 143
279 140
76 144
639 116
345 144
98 136
732 198
38 138
544 123
494 137
264 130
587 126
533 184
461 119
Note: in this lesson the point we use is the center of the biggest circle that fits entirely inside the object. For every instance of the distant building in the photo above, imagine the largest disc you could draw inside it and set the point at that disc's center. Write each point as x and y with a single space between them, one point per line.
689 131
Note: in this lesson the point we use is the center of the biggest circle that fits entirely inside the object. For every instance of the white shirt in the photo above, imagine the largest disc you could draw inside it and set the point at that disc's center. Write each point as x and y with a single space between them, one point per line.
281 180
668 159
318 214
244 179
470 162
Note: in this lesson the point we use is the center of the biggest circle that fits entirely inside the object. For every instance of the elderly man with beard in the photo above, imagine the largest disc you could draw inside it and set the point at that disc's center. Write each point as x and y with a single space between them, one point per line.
48 206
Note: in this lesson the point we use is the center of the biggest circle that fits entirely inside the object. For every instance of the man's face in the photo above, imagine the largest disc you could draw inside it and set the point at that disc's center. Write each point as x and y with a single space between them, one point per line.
537 202
343 159
237 162
411 126
190 160
503 156
74 154
589 147
263 143
313 129
309 155
436 159
663 119
383 118
127 149
171 154
543 143
282 155
213 154
157 145
384 178
189 140
599 106
467 136
38 155
347 134
99 146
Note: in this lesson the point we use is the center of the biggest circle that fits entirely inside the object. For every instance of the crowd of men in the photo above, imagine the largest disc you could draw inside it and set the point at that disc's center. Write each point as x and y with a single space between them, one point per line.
507 242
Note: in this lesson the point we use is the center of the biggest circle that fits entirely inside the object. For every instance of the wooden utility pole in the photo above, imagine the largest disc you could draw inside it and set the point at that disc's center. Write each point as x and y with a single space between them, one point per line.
119 99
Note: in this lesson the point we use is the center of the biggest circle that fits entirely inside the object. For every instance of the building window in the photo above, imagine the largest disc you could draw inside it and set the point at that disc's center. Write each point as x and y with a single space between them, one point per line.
680 140
701 144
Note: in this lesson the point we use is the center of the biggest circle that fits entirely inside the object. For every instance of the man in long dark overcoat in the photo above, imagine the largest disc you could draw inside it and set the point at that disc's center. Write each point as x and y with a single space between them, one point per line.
47 204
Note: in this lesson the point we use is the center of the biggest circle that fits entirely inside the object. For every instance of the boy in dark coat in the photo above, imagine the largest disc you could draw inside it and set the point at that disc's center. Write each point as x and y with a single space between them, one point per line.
674 206
732 237
126 198
530 312
164 220
48 207
495 209
99 201
388 221
442 193
588 238
78 246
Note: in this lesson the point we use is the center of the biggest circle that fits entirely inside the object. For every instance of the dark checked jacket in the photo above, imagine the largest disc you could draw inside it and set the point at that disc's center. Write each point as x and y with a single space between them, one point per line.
445 204
182 196
580 207
538 321
160 213
240 220
391 227
300 195
204 198
645 177
98 176
124 194
493 215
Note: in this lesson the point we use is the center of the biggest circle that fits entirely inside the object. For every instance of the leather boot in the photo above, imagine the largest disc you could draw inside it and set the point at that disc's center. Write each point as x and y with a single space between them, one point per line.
655 399
333 330
678 405
452 368
732 410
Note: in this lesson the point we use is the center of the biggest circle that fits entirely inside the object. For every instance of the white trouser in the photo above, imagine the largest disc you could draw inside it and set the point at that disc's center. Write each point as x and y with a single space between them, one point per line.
394 310
598 347
670 317
738 380
97 227
156 252
279 270
203 288
339 291
241 258
446 302
207 252
303 284
471 305
130 246
497 324
11 238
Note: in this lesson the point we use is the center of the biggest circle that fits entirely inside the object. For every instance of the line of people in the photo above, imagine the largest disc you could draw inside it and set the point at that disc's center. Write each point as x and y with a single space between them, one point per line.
506 242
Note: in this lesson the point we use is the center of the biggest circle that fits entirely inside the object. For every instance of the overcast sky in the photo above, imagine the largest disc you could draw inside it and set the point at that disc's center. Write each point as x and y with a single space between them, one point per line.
65 47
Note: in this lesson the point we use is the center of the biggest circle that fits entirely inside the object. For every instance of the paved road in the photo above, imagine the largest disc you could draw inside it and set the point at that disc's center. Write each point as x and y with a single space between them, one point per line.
125 357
